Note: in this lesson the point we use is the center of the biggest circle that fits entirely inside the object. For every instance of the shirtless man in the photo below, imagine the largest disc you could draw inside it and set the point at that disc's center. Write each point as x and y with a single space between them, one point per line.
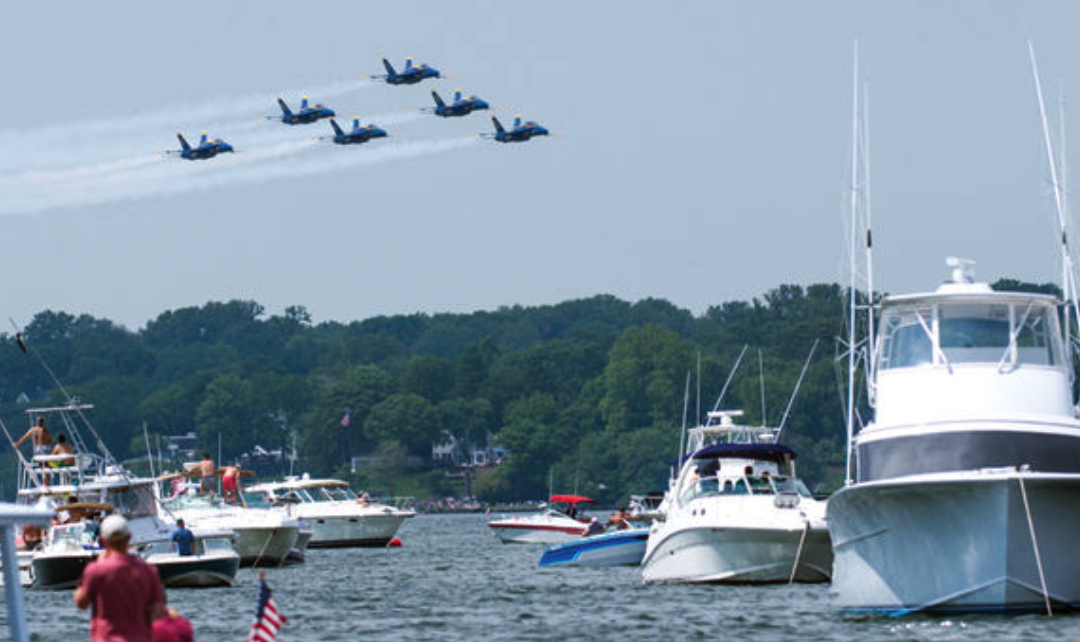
229 483
63 448
39 436
208 472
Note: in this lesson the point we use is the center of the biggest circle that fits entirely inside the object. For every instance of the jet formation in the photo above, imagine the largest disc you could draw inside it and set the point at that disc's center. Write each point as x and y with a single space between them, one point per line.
411 74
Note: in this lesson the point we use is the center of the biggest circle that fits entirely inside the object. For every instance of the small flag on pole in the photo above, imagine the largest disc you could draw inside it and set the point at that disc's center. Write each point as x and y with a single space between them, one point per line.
345 420
267 619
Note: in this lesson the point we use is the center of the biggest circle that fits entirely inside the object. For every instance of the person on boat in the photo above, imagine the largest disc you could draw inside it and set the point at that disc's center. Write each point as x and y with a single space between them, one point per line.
620 519
32 536
173 628
183 539
594 528
62 447
230 482
124 591
208 473
364 499
571 511
40 436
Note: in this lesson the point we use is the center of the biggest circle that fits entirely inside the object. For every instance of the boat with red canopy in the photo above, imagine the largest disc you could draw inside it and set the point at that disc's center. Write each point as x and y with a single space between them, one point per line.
556 523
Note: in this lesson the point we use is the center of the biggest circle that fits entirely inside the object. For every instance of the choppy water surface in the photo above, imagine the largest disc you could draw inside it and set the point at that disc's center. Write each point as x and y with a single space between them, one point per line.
453 581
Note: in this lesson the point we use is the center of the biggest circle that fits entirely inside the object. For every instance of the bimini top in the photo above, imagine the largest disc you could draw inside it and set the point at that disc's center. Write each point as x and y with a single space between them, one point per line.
770 452
571 499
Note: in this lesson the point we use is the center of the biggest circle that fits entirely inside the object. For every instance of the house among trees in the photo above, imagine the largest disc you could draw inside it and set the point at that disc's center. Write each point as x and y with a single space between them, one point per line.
454 452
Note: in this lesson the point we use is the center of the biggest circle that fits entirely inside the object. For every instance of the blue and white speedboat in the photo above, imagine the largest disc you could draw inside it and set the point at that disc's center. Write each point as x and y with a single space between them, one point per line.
616 548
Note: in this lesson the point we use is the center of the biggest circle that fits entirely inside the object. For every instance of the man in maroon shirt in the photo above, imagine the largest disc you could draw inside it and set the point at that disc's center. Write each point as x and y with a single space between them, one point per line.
125 592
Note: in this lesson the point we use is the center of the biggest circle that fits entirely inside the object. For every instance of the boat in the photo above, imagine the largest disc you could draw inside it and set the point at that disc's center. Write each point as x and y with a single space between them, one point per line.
67 550
962 493
737 513
646 508
338 517
214 563
263 536
615 548
966 489
550 526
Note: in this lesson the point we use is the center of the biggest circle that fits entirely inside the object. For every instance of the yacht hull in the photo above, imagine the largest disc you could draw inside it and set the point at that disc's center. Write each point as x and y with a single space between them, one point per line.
264 546
961 543
59 571
196 571
738 555
341 531
510 532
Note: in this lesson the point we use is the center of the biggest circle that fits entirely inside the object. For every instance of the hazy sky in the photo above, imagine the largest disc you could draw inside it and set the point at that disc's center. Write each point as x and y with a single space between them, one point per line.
702 153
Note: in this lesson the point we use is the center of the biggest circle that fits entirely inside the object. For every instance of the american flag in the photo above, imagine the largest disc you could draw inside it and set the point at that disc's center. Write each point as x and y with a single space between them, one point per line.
267 619
345 420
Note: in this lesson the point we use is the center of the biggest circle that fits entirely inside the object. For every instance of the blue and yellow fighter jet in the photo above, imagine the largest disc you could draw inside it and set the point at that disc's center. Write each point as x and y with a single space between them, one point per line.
204 150
459 107
519 133
410 75
357 135
307 113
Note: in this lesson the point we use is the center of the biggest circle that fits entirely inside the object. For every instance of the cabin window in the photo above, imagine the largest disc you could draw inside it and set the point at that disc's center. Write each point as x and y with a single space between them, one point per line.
907 340
973 334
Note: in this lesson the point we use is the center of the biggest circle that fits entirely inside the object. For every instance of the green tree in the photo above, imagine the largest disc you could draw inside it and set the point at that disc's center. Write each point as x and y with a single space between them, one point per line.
406 418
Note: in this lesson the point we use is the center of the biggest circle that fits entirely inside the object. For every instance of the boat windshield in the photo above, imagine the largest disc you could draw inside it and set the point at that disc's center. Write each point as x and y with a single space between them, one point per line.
957 333
334 494
133 501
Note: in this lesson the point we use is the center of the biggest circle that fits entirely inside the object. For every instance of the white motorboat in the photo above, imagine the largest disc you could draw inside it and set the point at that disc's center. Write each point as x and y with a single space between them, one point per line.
550 526
263 537
966 489
213 563
337 515
737 513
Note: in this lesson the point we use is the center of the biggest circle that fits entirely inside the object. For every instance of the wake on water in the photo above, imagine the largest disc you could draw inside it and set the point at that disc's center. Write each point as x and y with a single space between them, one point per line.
106 160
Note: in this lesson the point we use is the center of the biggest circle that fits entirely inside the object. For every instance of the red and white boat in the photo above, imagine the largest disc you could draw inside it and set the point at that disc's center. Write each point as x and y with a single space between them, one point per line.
554 525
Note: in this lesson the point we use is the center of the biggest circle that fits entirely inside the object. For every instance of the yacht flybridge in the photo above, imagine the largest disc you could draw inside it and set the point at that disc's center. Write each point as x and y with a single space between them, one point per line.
737 513
338 517
971 466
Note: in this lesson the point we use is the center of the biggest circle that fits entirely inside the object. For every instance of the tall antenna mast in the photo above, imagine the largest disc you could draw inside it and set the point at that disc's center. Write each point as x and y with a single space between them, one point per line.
869 276
731 374
761 381
852 336
685 407
1068 279
795 392
1065 206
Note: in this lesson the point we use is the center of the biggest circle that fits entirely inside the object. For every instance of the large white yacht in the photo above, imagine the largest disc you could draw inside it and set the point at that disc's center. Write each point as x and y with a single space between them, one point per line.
263 537
966 493
338 517
736 513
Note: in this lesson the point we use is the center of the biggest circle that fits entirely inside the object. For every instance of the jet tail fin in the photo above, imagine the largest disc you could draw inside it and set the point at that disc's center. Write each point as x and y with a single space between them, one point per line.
517 121
303 103
356 124
337 129
498 125
284 108
457 96
183 143
202 139
389 67
438 99
408 64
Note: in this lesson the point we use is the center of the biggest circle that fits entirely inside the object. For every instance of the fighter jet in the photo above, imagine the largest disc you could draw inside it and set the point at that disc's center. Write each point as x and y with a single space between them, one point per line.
460 107
204 150
410 75
519 133
357 135
307 114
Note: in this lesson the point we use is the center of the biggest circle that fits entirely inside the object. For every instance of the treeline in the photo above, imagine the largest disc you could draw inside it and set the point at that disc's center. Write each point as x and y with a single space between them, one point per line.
587 394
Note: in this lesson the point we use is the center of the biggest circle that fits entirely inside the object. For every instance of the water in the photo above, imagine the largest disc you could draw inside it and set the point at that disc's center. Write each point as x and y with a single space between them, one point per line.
452 581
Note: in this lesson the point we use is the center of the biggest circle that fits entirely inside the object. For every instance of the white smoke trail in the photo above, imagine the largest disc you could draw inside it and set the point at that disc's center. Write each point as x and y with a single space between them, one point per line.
68 144
31 193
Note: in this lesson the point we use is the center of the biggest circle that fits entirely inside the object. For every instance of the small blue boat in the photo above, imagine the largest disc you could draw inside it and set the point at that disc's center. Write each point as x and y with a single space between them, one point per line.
617 548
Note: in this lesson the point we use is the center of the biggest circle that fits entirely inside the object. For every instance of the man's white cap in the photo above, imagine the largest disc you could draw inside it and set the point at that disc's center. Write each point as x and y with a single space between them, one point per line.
114 526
